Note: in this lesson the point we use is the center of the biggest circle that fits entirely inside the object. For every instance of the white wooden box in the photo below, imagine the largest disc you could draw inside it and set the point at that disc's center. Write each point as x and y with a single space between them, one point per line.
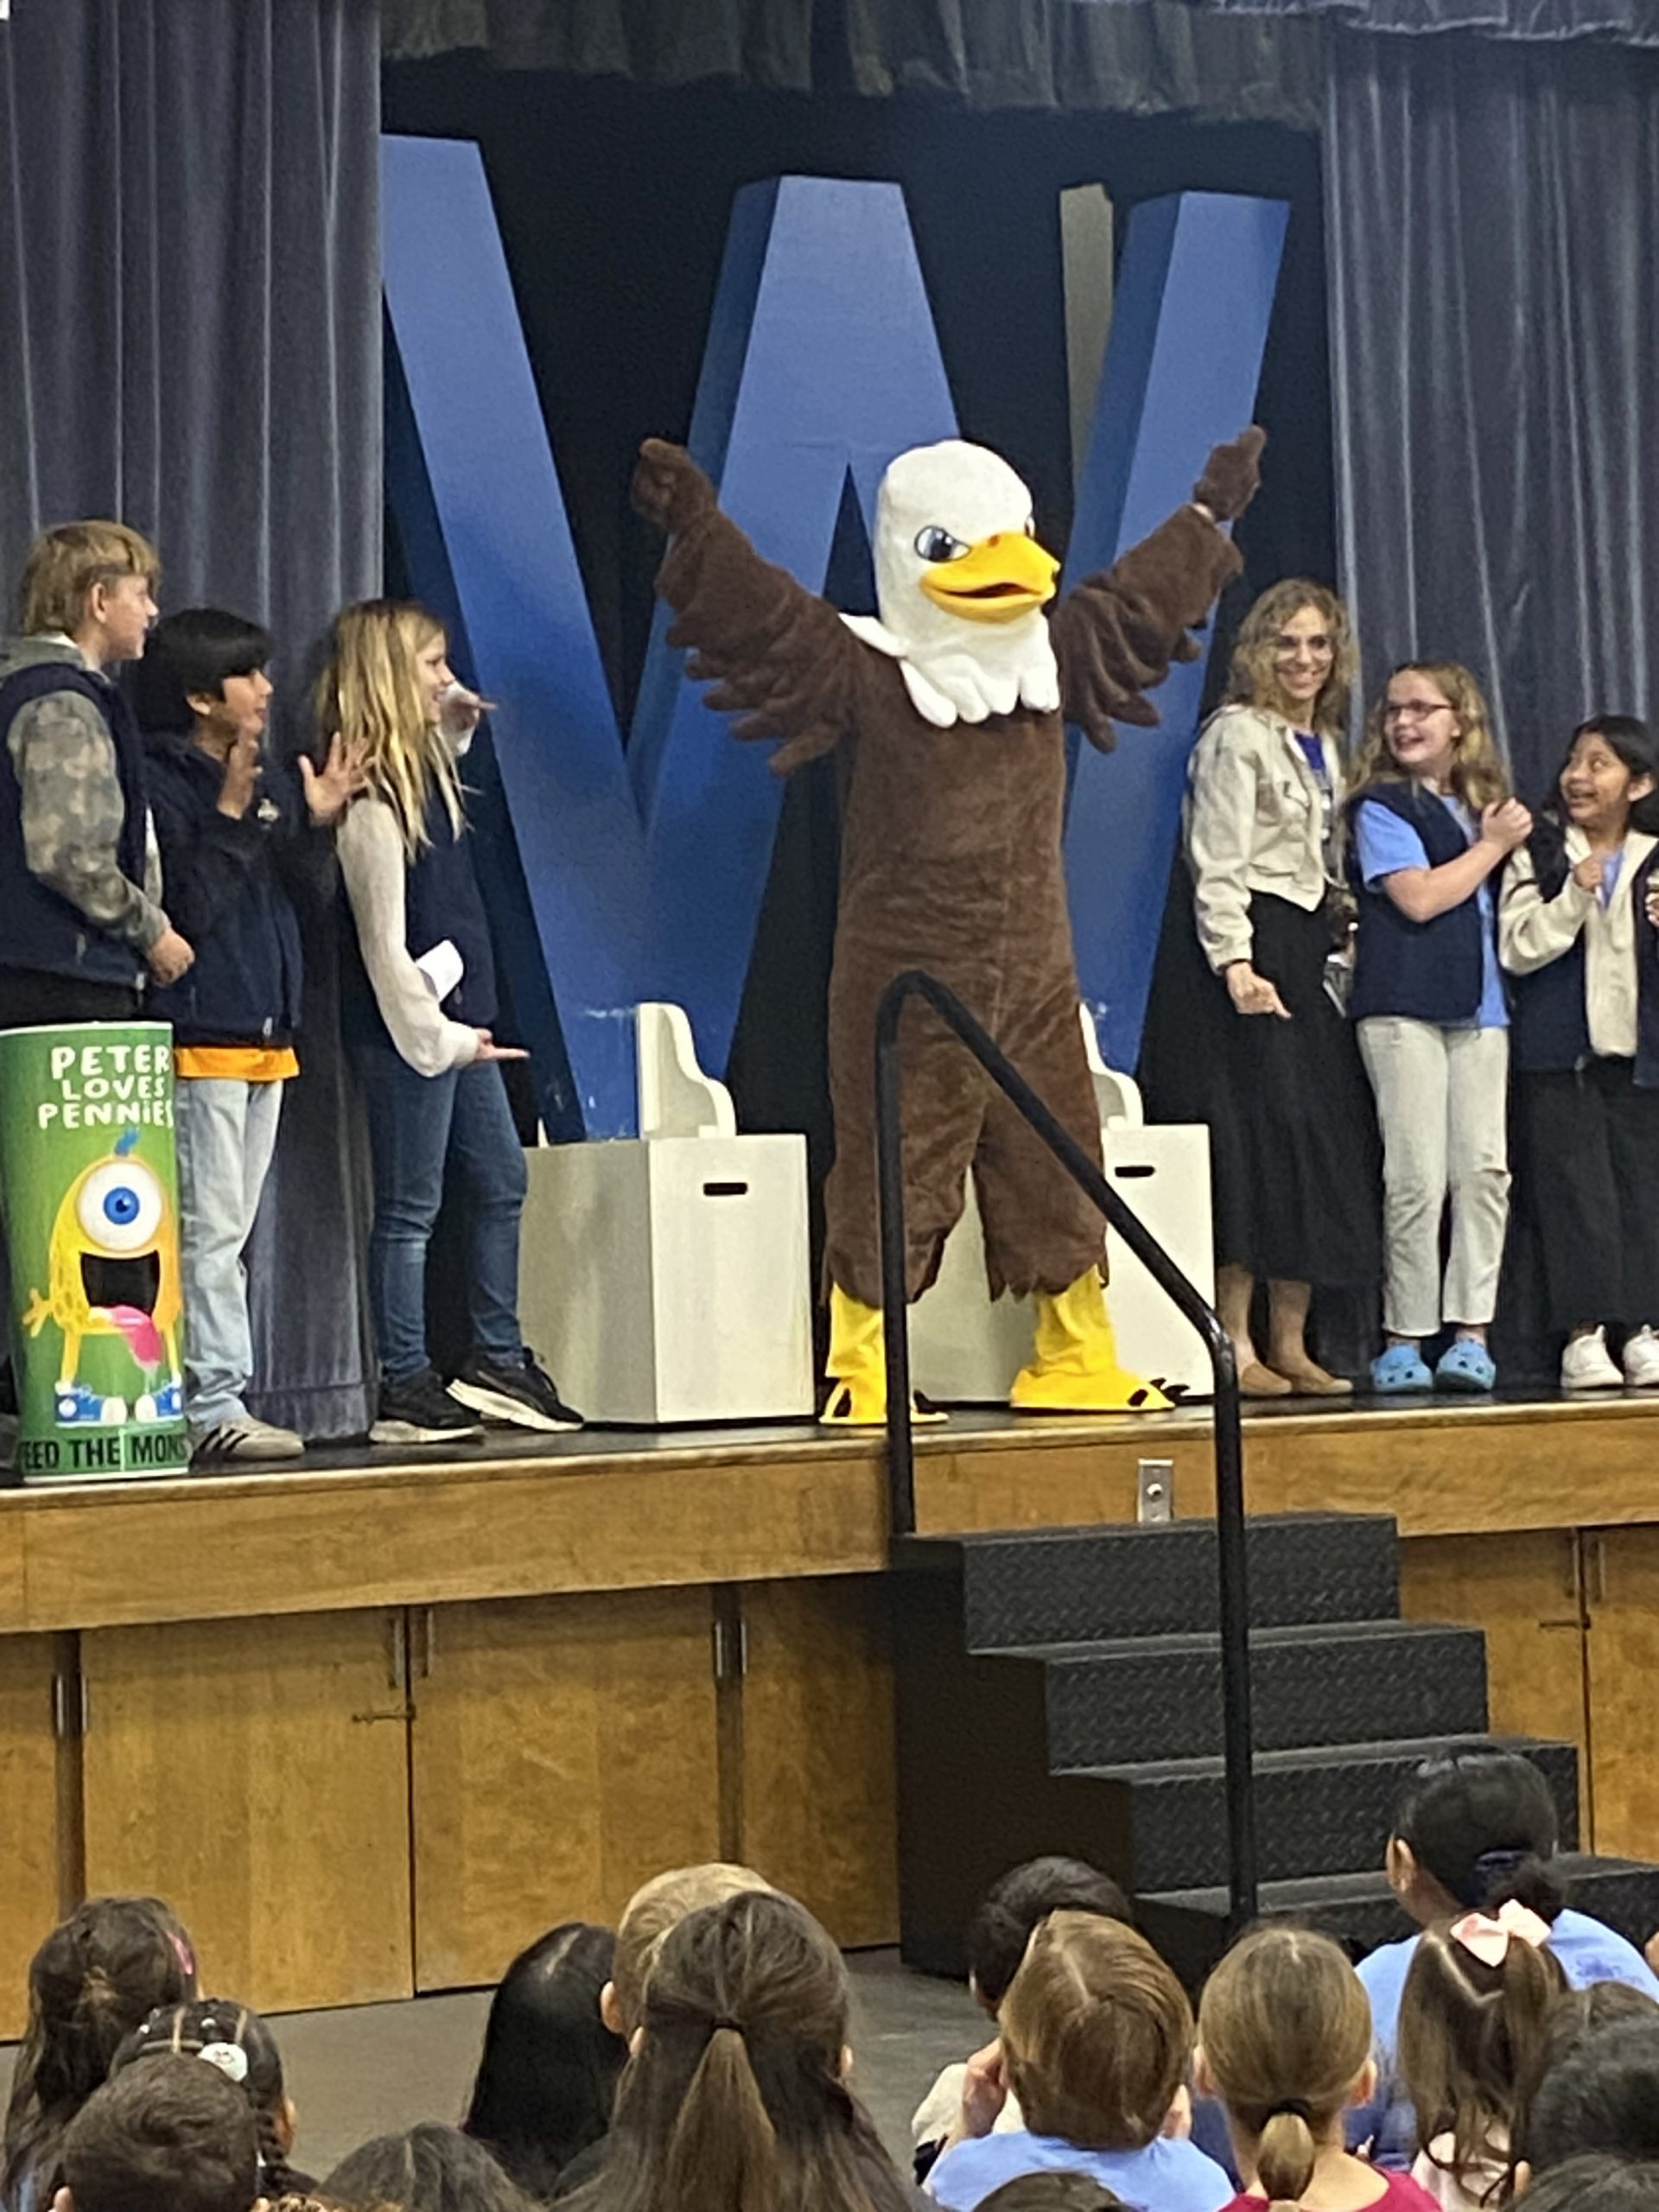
966 1350
667 1279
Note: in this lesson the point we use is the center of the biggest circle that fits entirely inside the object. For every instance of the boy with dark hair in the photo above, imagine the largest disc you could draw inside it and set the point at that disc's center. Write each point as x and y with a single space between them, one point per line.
79 881
235 840
173 2135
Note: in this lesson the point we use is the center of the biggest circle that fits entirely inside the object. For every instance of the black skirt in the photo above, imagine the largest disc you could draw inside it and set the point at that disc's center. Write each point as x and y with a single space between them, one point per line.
1295 1161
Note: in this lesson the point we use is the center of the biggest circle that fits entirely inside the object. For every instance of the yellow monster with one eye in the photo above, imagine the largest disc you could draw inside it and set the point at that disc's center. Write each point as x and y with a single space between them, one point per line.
114 1272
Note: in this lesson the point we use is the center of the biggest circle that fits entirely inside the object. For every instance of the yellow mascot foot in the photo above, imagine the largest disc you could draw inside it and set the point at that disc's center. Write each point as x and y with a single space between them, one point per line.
1074 1366
857 1369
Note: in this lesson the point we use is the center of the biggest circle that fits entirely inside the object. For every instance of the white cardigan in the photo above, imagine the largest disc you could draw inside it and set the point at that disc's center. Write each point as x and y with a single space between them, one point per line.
1532 931
1255 821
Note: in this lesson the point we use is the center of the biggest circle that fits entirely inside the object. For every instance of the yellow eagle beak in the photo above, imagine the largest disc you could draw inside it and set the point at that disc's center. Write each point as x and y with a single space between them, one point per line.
998 580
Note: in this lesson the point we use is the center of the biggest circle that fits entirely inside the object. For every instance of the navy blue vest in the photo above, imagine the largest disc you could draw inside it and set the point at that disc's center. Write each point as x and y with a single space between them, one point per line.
43 932
441 900
1551 1020
1428 971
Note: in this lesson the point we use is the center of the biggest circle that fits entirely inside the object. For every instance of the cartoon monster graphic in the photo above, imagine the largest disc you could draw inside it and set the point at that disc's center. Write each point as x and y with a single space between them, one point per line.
114 1272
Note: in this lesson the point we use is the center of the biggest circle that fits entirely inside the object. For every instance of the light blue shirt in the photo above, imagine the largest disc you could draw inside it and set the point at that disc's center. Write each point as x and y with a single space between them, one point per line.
1387 843
1589 1951
1166 2176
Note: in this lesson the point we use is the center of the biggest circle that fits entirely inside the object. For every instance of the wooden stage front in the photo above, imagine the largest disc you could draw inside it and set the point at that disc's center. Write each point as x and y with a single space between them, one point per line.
373 1724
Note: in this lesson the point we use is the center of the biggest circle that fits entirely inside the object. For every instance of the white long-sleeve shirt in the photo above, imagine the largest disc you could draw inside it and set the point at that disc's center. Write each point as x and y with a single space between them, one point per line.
375 871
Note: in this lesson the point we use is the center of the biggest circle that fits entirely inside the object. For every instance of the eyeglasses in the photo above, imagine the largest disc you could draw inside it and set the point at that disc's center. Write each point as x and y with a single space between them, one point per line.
1416 710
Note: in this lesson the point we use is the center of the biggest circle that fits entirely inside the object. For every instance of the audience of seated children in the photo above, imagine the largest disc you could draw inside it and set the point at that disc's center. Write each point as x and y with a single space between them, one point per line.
1097 2033
736 2098
426 2168
1471 1831
235 2039
547 2079
997 1936
96 1978
1474 2024
1285 2042
176 2136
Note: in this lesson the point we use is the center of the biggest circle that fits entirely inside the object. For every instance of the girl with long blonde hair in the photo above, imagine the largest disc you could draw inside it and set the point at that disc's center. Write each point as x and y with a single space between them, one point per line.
1433 821
1242 1033
420 999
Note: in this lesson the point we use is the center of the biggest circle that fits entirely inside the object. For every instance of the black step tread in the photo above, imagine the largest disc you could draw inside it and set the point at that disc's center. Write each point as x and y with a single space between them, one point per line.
1312 1890
1344 1757
937 1545
1179 1645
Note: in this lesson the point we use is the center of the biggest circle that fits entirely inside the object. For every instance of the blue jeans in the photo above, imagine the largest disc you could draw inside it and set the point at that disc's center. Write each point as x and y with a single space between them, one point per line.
421 1128
226 1133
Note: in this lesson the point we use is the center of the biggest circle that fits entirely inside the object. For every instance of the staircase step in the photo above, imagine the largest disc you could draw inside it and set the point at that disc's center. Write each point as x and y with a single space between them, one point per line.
1082 1585
1320 1811
1189 1926
1158 1697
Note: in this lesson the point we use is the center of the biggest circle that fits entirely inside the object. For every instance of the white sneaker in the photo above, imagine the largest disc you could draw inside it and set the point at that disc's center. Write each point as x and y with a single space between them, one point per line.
1585 1365
1642 1360
245 1438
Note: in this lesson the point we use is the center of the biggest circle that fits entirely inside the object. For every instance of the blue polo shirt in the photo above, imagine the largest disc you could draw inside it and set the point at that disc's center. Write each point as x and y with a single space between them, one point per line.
1387 843
1588 1950
1166 2176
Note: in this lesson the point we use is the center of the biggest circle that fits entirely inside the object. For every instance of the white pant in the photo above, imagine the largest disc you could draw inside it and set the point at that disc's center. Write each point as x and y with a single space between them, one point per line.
1441 1102
226 1133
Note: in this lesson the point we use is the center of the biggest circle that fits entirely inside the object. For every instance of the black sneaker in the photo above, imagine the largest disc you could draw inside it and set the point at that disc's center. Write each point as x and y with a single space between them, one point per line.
520 1397
419 1410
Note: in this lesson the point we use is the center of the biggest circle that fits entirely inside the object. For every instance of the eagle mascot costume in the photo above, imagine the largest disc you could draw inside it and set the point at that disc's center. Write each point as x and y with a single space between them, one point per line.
949 713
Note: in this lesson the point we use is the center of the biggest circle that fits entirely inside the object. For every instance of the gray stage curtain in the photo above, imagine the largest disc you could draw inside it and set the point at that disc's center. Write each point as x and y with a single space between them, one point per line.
1493 218
190 339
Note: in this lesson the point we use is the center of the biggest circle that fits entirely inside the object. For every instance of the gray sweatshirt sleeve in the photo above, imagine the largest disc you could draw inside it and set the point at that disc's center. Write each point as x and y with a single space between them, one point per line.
372 866
73 810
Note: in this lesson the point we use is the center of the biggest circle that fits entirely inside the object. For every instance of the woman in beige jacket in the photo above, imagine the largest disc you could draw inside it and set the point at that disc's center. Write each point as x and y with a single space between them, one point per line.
1242 1032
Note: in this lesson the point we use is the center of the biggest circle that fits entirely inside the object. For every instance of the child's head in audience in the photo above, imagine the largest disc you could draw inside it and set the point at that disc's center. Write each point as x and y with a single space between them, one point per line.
428 2169
1472 1831
736 2098
1097 2032
1001 1930
657 1906
1577 2013
238 2042
1596 2185
175 2136
1603 2098
1285 2042
97 1976
547 2079
1054 2191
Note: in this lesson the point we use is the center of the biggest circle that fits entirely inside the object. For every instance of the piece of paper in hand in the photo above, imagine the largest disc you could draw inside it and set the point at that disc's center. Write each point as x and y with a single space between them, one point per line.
442 968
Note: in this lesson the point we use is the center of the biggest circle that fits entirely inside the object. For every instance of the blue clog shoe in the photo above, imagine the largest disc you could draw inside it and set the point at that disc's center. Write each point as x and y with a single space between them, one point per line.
1400 1368
1465 1365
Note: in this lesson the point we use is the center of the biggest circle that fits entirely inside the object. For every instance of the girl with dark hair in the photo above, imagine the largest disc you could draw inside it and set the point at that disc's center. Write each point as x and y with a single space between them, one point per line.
1285 2042
1576 932
94 1979
1474 2026
1473 1832
736 2099
428 2169
547 2079
235 2039
1601 2100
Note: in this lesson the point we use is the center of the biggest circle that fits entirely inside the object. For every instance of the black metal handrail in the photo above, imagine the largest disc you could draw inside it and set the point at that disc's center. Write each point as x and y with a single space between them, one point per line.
1232 1572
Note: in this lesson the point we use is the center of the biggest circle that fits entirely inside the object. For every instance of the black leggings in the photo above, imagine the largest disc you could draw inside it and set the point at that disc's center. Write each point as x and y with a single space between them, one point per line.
1592 1155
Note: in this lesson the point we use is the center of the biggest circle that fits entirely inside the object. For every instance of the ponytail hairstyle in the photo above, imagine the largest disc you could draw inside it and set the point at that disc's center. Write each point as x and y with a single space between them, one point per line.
1478 775
369 692
94 1979
235 2039
1474 2025
735 2100
1482 1825
1285 2029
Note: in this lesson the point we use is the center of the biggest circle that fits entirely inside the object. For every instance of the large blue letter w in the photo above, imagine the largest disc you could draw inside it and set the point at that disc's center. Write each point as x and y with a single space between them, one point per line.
645 873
